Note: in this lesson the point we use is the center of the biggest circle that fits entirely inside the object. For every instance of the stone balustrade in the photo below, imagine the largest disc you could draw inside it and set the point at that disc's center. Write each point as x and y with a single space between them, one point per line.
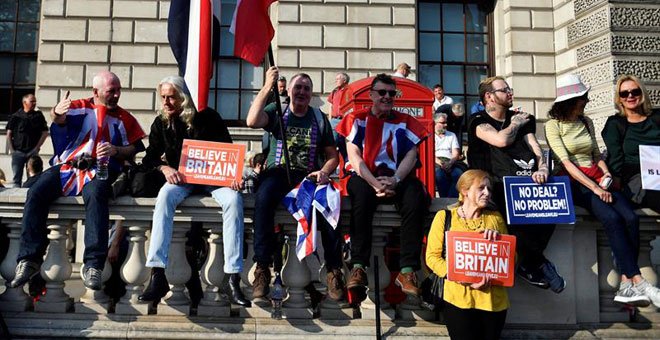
581 253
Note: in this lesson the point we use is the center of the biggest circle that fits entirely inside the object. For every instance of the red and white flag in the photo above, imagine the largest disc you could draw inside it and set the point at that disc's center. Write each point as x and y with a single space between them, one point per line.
252 30
193 28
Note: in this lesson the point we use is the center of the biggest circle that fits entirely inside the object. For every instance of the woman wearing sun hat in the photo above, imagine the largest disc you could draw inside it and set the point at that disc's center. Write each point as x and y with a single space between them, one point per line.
634 123
572 139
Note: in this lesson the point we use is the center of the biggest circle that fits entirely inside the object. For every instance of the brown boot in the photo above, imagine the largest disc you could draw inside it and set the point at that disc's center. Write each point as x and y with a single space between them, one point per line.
335 283
261 283
358 278
408 283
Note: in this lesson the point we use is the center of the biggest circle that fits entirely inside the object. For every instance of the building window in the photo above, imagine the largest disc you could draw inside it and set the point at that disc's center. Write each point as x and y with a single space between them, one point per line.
236 82
19 33
455 47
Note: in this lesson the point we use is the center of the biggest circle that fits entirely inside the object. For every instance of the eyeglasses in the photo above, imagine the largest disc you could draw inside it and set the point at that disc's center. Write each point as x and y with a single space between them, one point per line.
635 93
382 92
506 90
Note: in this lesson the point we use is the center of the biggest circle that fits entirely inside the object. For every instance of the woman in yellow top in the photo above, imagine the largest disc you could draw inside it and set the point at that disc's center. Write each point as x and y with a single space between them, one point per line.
472 310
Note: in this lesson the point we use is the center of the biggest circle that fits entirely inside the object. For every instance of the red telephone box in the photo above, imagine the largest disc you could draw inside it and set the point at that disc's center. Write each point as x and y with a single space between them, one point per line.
414 99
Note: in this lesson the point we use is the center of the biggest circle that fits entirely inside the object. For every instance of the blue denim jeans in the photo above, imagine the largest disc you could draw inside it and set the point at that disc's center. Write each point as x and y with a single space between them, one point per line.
18 161
169 197
445 182
273 186
621 225
43 192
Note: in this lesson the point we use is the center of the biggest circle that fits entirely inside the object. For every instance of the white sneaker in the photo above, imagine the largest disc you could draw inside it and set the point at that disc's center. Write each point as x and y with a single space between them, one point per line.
629 295
653 293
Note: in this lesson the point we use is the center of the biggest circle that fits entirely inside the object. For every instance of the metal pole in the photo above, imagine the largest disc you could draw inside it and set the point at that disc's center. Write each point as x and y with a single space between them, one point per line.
280 117
377 295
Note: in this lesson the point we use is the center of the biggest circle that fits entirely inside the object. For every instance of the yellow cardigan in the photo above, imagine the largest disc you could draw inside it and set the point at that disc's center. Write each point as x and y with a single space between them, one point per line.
493 299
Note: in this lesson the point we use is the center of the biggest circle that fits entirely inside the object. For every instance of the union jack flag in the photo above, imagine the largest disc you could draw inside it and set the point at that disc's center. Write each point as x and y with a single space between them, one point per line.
383 142
80 136
302 202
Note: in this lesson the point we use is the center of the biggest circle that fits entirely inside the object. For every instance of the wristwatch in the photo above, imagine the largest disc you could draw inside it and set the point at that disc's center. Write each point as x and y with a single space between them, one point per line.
397 179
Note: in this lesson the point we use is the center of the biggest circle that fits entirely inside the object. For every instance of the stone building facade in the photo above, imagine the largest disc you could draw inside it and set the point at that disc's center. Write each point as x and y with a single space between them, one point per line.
531 43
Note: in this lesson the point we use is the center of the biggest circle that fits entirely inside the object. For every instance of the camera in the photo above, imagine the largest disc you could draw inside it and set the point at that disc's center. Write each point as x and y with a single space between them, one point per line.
83 162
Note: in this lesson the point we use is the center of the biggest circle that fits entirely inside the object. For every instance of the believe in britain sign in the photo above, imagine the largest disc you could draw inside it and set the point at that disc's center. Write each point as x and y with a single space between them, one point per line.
531 203
211 163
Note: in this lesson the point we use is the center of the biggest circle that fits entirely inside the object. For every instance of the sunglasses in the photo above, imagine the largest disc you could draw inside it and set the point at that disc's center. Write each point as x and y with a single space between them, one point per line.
382 93
635 93
506 90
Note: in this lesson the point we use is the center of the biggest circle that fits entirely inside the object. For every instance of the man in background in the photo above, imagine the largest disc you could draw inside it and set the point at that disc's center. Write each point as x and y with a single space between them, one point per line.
402 70
26 132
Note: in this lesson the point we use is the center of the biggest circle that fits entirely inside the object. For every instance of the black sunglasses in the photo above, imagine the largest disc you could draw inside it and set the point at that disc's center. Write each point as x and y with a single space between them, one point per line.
382 93
635 92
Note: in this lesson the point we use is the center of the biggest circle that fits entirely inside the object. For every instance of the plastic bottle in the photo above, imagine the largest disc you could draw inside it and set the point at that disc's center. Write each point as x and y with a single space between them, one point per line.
102 172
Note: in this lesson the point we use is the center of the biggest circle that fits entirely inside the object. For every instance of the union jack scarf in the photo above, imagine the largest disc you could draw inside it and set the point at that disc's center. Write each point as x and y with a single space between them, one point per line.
302 202
383 142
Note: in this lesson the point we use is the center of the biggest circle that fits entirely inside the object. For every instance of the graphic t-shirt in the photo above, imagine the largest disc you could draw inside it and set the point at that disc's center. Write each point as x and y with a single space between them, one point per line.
516 159
304 139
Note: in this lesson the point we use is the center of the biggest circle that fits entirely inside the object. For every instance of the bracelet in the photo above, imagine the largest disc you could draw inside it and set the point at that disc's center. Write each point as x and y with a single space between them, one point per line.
397 179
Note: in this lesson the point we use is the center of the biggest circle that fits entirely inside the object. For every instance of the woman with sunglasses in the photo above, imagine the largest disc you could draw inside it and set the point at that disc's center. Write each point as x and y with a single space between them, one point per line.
571 137
634 124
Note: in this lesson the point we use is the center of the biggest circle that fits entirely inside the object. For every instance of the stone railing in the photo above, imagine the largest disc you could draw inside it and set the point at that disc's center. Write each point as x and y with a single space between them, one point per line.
580 252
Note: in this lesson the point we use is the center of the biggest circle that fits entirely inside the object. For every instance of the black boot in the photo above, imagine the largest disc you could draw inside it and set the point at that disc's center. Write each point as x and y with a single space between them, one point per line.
158 286
234 292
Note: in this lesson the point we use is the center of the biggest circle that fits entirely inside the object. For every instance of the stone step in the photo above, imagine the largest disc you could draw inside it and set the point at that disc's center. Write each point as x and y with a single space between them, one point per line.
56 326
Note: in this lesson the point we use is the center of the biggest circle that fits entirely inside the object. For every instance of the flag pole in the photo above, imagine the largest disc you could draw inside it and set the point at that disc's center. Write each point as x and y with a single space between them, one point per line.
280 117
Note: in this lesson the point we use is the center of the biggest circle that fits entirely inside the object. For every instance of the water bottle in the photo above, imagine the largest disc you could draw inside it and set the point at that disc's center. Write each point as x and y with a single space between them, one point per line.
102 172
277 296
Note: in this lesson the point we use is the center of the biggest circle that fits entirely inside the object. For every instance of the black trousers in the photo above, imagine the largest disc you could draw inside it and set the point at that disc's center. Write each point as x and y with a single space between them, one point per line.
531 239
473 324
411 202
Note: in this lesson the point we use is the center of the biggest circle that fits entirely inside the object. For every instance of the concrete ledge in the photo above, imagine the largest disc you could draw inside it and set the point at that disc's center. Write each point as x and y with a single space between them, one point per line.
78 326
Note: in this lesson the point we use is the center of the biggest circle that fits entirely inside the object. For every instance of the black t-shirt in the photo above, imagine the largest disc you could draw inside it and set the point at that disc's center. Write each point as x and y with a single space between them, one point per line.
26 129
479 152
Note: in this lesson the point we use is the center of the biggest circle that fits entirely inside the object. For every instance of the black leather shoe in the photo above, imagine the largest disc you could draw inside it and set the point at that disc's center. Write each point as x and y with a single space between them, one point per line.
234 292
158 286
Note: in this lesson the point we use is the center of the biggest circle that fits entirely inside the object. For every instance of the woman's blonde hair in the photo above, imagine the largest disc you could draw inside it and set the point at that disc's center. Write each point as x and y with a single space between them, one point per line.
467 179
646 101
188 110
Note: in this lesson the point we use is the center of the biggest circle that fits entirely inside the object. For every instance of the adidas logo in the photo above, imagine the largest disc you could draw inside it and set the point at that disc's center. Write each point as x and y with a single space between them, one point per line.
526 166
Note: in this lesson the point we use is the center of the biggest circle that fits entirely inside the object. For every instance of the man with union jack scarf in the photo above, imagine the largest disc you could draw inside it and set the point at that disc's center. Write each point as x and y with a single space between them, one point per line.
382 154
83 132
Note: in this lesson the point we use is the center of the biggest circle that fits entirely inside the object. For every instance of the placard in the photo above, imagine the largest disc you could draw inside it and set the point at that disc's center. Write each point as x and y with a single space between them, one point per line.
470 257
211 163
531 203
649 163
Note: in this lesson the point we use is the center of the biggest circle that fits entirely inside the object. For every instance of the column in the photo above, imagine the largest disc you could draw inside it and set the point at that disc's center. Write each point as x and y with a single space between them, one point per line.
212 273
133 271
13 299
56 269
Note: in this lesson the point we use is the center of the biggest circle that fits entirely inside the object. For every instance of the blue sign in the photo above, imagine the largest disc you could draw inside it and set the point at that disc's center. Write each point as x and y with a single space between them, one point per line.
531 203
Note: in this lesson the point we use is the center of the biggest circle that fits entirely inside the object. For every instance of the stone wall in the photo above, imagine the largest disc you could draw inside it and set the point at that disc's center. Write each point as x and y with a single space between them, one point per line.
359 37
603 39
524 52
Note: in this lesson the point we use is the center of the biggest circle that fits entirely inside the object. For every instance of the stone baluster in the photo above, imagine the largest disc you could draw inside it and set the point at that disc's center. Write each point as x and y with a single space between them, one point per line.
212 274
95 301
295 276
13 299
178 272
56 269
645 265
379 240
608 279
133 271
249 266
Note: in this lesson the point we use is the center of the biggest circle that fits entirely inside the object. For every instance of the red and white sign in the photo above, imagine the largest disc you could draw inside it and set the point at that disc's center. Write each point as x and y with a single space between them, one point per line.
470 257
211 163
